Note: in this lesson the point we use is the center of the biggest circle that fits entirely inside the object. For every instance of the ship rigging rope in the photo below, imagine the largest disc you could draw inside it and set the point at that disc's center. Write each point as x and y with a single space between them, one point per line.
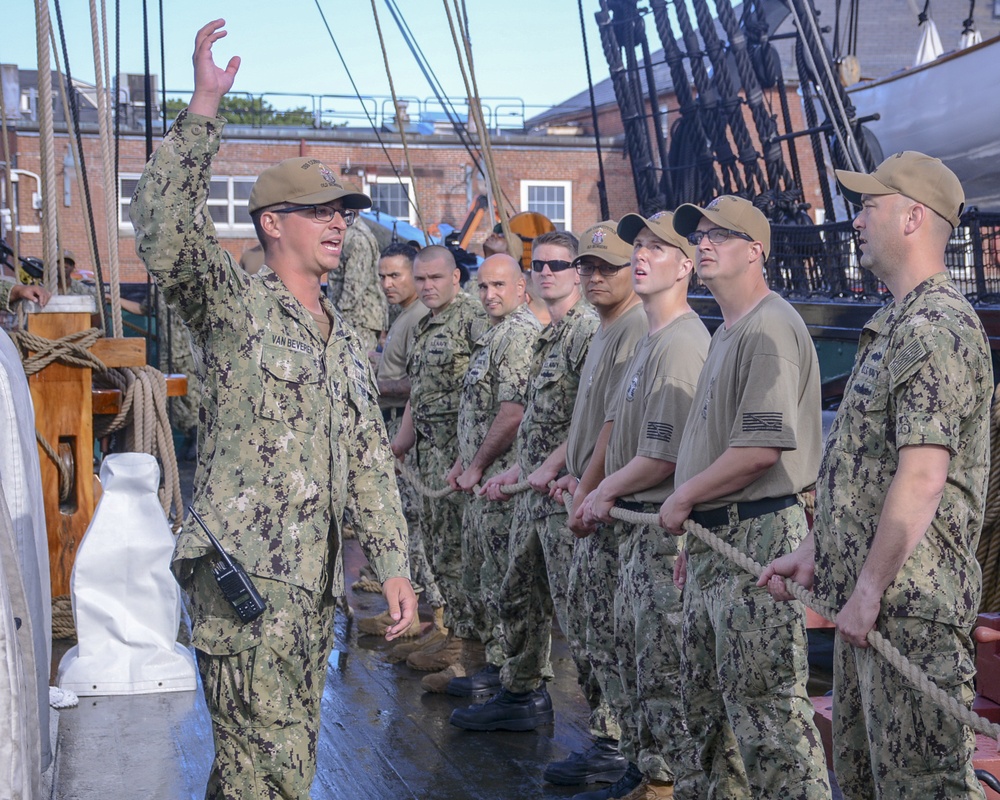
101 79
467 69
878 642
401 124
81 165
144 393
357 93
602 186
46 138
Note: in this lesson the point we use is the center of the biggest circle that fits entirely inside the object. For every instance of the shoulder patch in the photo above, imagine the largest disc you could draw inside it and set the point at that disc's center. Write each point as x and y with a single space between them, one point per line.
912 353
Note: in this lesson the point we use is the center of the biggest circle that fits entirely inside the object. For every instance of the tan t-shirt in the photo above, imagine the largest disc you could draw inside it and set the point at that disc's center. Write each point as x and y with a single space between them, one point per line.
398 342
655 398
610 351
759 387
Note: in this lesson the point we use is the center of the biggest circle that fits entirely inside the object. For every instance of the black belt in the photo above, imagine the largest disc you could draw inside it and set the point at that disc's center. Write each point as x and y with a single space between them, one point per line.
719 517
638 508
389 414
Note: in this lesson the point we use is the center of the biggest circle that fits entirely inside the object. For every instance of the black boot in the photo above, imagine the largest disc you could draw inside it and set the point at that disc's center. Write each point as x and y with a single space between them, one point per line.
599 763
483 683
507 711
626 784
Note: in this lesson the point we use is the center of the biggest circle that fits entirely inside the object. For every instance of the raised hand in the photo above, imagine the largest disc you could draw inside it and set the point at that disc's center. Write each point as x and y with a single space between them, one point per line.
210 82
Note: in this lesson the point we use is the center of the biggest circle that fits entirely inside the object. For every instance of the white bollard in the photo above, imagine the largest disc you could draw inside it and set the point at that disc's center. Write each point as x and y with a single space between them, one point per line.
126 603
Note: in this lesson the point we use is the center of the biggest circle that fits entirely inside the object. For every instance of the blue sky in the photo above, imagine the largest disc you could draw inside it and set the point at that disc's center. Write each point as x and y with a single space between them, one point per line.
527 49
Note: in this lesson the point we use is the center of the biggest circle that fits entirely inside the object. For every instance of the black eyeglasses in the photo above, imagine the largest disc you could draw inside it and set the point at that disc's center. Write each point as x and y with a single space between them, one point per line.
716 235
555 266
606 269
322 213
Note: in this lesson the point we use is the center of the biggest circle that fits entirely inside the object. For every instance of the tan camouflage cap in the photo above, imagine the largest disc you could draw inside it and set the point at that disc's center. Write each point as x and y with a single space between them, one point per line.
303 181
922 178
730 212
661 224
602 240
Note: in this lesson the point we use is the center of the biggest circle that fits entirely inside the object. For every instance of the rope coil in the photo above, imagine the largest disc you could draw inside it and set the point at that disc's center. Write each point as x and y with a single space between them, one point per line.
878 642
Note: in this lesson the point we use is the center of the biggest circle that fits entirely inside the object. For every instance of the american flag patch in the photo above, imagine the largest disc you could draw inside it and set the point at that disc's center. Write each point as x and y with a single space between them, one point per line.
661 431
762 422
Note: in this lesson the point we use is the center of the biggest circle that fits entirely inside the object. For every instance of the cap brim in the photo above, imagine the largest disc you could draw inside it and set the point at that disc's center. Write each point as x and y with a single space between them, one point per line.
855 184
351 199
629 227
687 217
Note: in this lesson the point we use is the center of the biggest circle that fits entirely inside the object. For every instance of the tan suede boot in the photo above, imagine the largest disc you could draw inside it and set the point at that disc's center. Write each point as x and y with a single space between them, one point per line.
432 659
437 682
651 790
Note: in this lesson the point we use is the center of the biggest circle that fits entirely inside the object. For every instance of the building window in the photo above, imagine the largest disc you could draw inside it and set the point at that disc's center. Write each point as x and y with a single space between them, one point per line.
554 199
391 195
228 200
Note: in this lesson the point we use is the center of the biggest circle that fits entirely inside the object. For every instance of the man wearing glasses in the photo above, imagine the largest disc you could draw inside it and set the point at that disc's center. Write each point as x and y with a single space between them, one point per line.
292 435
541 550
751 443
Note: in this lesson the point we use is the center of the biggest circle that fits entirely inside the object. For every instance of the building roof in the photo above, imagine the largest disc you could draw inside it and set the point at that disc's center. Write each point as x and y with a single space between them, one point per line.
887 41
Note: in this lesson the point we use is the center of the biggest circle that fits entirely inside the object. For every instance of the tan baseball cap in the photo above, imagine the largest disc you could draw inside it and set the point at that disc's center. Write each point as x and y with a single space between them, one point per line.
730 212
602 240
661 224
922 178
303 181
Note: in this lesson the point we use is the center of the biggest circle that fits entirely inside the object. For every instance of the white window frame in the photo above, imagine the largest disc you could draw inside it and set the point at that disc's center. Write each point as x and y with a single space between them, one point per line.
229 229
567 186
371 180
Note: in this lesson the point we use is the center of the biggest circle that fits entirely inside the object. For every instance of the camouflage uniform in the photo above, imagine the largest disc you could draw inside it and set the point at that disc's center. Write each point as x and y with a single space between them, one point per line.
354 286
392 366
649 416
743 664
436 366
292 434
541 548
922 376
178 353
498 373
594 569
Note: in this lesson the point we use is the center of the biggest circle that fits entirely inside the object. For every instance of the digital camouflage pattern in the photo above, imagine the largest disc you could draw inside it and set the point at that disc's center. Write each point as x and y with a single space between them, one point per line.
536 583
744 669
593 579
590 632
292 435
179 354
498 373
923 376
261 687
354 289
436 367
648 612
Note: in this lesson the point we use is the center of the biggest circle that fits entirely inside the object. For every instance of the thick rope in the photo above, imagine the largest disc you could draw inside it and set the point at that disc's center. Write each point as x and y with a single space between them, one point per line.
46 131
988 552
402 127
879 643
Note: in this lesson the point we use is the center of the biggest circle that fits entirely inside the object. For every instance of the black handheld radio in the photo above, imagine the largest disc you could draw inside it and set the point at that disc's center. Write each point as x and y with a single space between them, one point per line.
235 584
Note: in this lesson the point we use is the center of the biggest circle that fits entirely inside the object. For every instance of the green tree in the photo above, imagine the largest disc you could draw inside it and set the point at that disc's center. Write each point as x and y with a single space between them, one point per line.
245 110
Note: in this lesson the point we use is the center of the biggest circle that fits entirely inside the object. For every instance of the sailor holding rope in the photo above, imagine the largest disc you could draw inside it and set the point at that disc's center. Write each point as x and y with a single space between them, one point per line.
901 494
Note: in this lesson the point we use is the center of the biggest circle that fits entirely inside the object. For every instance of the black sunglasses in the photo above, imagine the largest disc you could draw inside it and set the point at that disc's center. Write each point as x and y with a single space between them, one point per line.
555 266
607 270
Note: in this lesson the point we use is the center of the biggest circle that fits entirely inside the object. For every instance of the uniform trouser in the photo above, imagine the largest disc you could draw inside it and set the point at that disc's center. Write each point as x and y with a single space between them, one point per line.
593 578
441 526
485 539
263 683
536 585
890 740
744 669
420 567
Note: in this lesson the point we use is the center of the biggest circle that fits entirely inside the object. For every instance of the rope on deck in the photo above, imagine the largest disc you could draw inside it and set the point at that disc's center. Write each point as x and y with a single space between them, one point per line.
878 642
